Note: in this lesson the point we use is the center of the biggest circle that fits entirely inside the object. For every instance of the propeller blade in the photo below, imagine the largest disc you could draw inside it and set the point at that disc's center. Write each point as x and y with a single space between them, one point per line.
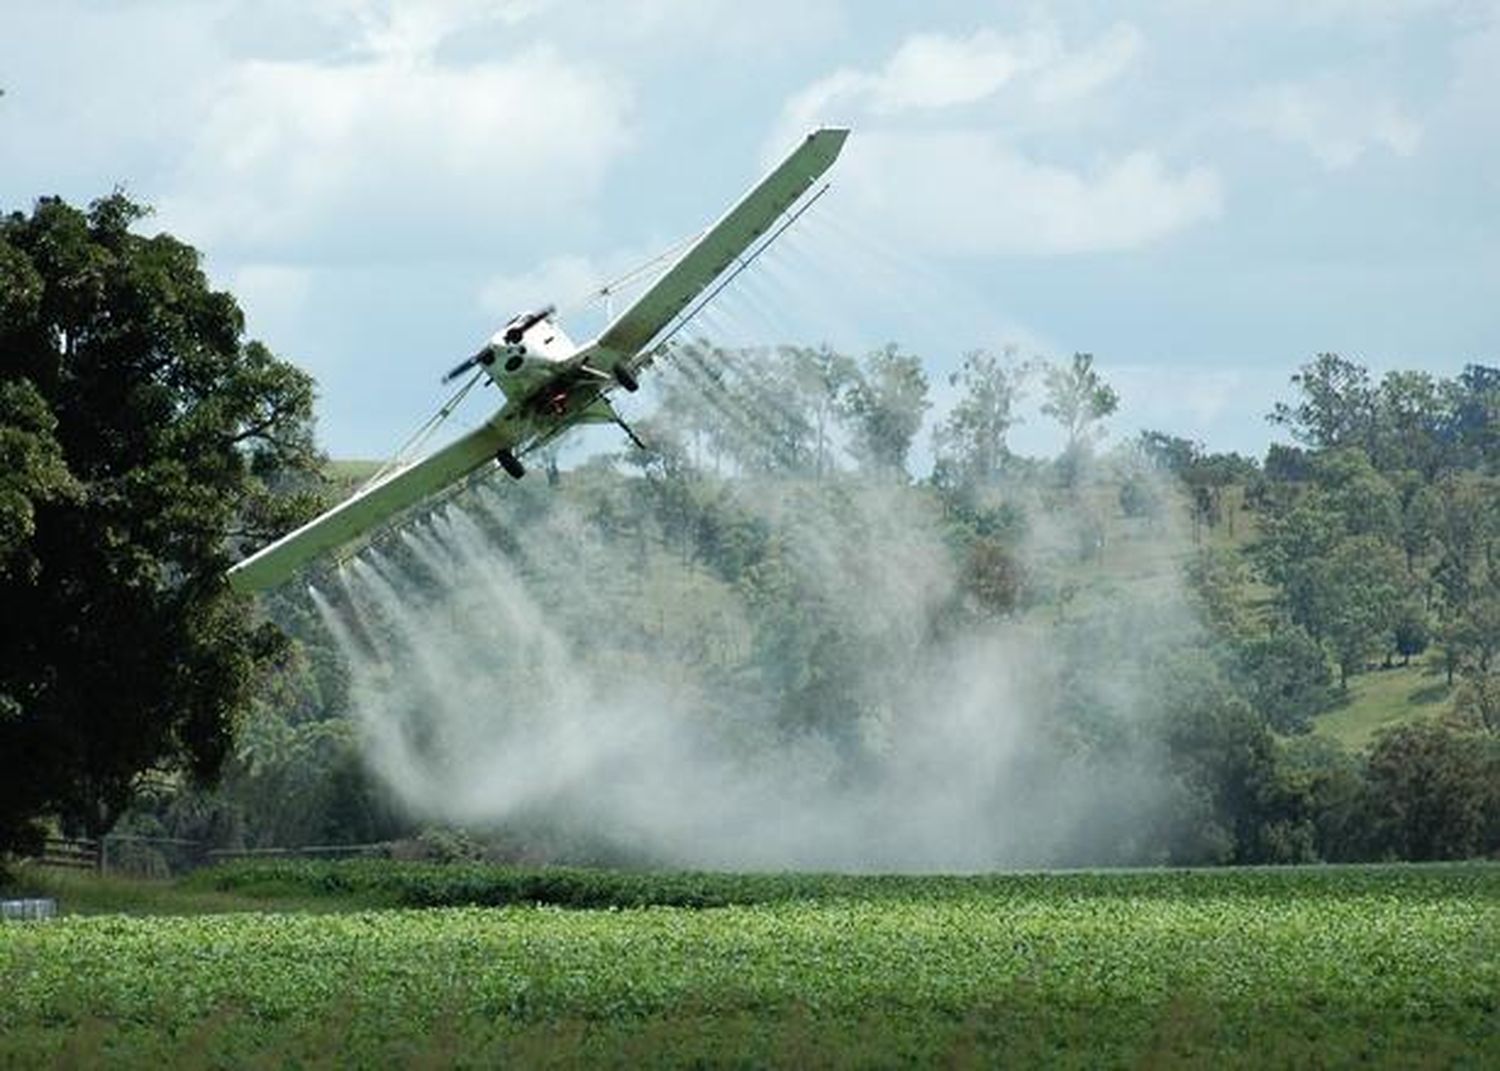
464 366
522 324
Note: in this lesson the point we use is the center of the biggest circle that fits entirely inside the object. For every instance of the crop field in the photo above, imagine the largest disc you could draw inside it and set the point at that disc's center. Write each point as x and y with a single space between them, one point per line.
1394 966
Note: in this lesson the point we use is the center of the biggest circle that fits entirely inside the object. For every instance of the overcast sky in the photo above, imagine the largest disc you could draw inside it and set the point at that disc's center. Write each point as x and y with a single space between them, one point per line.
1203 193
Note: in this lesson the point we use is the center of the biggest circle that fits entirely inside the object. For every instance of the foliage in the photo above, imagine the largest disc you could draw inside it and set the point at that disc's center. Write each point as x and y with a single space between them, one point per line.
970 445
1315 806
885 404
143 441
1139 497
1406 422
33 472
1240 968
1477 702
1078 398
759 511
1286 676
459 884
139 432
1361 604
1434 792
1169 453
1410 634
1337 404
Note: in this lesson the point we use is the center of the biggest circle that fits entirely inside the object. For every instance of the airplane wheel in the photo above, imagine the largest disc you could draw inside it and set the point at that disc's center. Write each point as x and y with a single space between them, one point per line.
511 464
626 378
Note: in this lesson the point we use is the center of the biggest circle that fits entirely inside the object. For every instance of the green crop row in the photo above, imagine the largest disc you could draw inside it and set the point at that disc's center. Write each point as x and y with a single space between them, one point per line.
1384 966
408 884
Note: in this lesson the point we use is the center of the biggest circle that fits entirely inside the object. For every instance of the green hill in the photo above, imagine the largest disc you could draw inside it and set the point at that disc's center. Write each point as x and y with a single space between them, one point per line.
1382 698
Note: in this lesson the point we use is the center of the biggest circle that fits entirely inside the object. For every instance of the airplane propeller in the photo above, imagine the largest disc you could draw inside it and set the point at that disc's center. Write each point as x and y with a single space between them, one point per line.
514 331
521 324
466 364
526 421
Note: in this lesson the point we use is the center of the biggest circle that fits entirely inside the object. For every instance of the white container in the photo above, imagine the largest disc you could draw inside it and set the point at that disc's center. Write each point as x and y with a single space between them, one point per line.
27 910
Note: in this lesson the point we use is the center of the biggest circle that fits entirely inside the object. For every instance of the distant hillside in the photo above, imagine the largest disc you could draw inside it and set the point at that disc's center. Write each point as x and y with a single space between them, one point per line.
348 476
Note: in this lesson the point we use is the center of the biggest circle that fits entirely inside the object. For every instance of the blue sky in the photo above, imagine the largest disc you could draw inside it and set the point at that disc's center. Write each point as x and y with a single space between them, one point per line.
1203 194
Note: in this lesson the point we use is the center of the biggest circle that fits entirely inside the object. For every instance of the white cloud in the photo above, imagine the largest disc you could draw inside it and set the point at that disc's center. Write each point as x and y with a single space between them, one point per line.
1076 75
1346 14
1472 104
396 152
1178 396
968 192
572 282
1222 407
97 96
957 184
1334 120
937 71
933 71
562 280
414 29
695 28
1199 399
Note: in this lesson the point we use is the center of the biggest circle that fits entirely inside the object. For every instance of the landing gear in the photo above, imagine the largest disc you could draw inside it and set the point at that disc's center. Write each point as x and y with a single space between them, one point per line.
626 378
628 431
511 464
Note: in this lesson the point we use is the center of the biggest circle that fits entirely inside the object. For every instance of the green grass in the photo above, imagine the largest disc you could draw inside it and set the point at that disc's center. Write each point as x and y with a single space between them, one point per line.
1382 698
410 884
352 470
1394 966
349 476
81 892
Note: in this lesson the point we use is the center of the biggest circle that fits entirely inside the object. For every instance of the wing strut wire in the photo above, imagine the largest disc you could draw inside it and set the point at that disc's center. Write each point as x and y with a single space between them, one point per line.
430 427
744 262
425 432
608 289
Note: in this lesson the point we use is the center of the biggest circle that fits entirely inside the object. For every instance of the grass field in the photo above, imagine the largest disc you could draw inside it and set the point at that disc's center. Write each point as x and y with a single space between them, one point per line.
1381 698
1392 966
355 471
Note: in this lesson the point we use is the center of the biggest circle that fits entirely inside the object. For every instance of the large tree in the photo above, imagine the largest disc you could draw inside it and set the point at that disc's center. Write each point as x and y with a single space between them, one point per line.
141 436
1474 415
1337 405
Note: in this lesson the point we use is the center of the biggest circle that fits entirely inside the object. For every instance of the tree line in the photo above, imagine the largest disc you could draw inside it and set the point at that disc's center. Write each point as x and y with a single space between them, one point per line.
145 441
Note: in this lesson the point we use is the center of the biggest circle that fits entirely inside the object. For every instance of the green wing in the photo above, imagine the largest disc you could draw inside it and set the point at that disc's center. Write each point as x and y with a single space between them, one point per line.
622 340
377 503
712 254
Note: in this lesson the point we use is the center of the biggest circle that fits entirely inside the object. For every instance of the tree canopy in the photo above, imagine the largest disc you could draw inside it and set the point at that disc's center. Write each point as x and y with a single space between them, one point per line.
141 434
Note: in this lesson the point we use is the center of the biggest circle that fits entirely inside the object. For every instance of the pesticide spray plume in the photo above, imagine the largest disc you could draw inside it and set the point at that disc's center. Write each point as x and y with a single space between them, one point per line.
602 684
774 662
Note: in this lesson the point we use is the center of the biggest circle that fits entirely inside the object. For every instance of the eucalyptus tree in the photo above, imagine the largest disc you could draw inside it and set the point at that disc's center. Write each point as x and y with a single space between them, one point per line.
1337 404
1078 398
971 445
884 406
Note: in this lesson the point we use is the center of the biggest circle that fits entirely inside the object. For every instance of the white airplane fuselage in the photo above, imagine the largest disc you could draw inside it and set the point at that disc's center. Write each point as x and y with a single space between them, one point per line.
546 377
520 362
549 381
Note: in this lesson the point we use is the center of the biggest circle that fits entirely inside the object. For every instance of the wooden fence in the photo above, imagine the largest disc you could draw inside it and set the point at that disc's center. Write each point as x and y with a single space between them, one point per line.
163 856
78 853
312 851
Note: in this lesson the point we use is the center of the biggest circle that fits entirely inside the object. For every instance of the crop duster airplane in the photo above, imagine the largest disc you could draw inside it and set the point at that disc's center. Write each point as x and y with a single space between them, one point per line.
550 383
